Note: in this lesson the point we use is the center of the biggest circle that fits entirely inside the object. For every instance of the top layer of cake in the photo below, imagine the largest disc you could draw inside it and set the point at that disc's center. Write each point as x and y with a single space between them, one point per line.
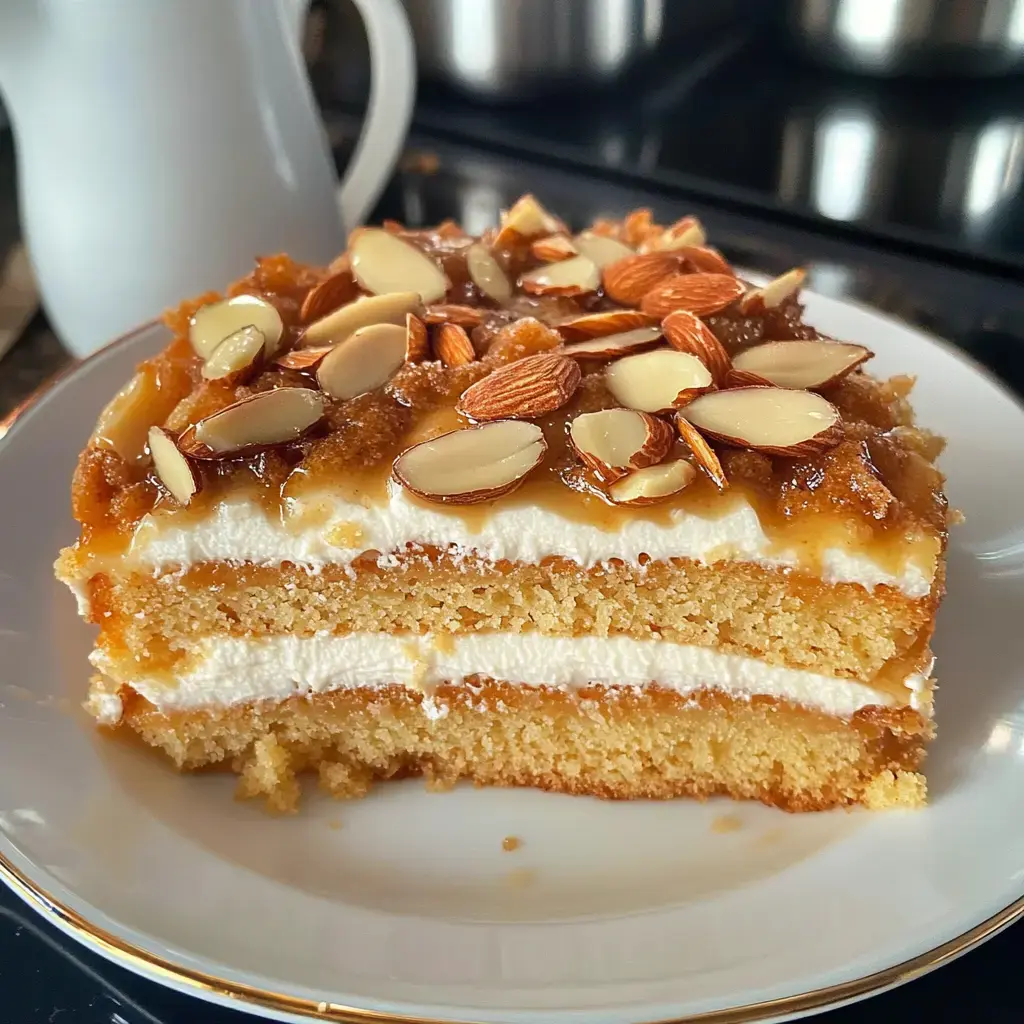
467 332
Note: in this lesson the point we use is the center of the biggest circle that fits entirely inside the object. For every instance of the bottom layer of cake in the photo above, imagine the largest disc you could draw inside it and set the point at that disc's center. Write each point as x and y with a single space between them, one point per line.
616 743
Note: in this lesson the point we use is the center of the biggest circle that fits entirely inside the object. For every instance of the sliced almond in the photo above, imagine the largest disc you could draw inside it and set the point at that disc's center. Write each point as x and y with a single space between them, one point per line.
658 381
777 421
597 325
686 231
704 259
655 483
613 441
575 276
553 248
525 389
476 464
337 290
417 343
613 346
302 358
525 220
688 333
211 324
374 309
774 293
451 313
486 273
365 362
638 226
237 357
260 421
700 294
601 249
452 345
628 280
175 471
383 263
702 452
745 379
802 364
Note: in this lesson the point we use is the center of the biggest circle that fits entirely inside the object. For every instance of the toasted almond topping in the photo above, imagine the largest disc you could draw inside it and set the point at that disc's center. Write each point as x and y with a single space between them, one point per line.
211 324
123 424
417 343
337 290
688 333
374 309
704 259
525 220
655 483
597 325
604 227
302 358
657 381
237 357
702 452
700 294
479 463
628 280
522 390
774 293
553 248
450 313
575 276
175 471
638 226
383 263
745 379
613 441
260 421
777 421
364 362
613 346
452 345
601 249
686 231
802 364
486 273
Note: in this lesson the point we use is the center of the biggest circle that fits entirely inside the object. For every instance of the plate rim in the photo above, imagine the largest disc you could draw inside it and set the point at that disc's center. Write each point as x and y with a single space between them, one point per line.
242 996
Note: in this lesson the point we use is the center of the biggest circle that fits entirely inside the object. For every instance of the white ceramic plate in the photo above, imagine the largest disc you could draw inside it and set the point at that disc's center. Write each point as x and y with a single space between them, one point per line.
405 903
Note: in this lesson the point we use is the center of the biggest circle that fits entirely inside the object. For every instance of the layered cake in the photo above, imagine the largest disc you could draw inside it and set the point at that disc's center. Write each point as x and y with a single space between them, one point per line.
586 512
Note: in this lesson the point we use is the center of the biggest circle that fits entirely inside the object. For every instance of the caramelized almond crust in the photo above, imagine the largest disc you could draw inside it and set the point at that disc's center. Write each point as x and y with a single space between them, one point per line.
617 744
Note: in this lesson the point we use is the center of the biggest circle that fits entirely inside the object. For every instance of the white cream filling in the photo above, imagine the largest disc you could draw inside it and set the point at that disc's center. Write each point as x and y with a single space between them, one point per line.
242 532
231 670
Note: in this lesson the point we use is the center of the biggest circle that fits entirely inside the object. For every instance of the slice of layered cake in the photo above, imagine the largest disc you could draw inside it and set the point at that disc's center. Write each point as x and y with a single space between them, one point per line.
582 512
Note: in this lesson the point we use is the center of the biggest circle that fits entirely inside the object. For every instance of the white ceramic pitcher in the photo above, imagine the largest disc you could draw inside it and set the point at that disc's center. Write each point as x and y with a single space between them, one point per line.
162 144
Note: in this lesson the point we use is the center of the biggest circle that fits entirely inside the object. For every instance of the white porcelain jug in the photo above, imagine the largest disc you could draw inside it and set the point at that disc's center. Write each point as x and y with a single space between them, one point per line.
162 144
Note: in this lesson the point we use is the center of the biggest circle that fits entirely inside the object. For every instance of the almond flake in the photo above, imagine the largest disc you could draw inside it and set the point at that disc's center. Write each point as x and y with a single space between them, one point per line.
337 290
687 231
704 259
597 325
612 346
553 248
688 333
638 226
627 281
173 469
260 421
452 345
211 324
383 263
600 249
774 293
486 273
237 357
613 441
575 276
655 483
526 219
525 389
451 313
700 294
417 343
374 309
802 364
777 421
477 464
702 452
364 362
302 358
657 381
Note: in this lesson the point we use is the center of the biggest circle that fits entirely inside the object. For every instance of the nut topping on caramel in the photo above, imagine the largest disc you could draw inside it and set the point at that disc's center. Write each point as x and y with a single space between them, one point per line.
211 324
613 441
658 381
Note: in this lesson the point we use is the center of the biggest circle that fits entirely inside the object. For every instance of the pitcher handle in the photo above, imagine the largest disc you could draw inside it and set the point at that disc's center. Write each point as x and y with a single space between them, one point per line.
392 93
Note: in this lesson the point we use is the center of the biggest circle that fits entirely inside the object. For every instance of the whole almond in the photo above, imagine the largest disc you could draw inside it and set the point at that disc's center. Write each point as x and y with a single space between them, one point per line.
523 390
700 294
627 281
704 259
688 333
452 345
597 325
417 344
328 295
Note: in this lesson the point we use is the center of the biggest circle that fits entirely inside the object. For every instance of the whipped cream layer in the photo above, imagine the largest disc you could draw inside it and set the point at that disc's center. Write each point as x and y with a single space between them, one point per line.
232 670
241 531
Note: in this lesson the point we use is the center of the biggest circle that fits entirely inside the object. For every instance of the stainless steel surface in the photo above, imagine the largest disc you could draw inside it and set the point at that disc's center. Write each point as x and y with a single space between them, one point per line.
897 37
